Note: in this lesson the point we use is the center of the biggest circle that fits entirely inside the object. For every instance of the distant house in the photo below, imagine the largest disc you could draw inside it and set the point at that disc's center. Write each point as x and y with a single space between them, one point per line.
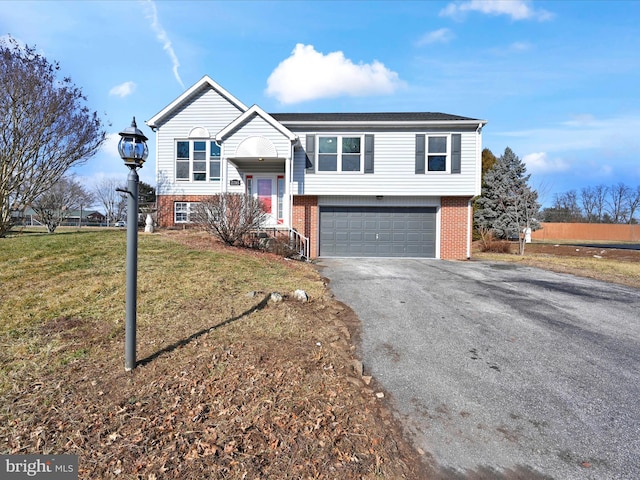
353 184
89 217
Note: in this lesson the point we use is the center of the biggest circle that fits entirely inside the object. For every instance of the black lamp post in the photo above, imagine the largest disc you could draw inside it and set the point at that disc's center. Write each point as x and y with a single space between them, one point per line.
133 150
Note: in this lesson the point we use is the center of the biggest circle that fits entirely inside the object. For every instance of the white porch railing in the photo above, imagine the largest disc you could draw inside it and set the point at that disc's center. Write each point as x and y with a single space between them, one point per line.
299 243
294 239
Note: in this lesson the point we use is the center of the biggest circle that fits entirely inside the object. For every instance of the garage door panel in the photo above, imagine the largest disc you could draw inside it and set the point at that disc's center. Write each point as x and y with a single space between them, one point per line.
378 231
399 237
370 224
341 237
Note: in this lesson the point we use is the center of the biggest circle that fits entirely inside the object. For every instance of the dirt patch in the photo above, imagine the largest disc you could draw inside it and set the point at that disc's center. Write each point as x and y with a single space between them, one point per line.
625 255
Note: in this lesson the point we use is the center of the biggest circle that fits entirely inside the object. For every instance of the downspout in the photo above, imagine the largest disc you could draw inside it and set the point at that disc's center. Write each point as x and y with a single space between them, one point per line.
290 182
479 177
469 227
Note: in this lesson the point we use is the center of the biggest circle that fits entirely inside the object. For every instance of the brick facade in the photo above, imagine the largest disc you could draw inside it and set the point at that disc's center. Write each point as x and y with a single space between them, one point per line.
306 220
455 219
165 216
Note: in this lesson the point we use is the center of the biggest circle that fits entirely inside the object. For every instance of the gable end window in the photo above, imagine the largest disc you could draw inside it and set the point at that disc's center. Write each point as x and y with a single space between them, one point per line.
182 161
340 153
214 161
197 161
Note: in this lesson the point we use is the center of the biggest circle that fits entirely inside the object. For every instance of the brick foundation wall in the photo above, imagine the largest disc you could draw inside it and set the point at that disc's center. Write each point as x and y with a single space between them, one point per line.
306 221
165 208
455 238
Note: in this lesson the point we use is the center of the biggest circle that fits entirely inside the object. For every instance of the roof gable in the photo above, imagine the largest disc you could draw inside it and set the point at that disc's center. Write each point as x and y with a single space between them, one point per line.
157 119
246 116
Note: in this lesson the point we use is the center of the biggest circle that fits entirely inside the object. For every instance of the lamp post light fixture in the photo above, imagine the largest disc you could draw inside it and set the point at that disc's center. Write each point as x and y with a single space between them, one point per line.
133 150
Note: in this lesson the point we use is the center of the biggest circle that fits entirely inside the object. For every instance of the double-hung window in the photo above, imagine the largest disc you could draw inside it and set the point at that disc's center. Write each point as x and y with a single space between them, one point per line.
197 161
214 161
340 153
437 153
182 211
182 161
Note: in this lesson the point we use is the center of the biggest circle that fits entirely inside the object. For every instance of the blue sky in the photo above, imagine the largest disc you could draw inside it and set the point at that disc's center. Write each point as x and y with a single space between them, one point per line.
558 81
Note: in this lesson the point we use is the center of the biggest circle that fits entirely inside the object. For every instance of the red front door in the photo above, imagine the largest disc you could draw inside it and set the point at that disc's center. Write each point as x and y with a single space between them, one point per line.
264 193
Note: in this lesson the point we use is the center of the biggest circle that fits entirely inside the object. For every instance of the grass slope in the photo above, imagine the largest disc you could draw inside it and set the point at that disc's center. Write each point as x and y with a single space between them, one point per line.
229 385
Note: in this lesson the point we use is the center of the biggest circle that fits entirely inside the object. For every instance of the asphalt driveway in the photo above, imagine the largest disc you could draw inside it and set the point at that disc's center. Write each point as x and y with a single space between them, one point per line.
500 367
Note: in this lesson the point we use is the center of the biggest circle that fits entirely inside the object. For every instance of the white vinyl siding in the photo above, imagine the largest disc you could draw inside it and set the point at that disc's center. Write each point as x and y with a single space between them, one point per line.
394 172
207 109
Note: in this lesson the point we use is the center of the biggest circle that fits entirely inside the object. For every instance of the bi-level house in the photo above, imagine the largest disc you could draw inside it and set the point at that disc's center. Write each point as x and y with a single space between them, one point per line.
351 184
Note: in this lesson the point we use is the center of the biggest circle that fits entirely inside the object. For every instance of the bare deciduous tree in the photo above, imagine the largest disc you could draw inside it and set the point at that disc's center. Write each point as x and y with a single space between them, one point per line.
113 202
587 198
56 204
45 128
617 203
600 198
593 201
229 216
633 202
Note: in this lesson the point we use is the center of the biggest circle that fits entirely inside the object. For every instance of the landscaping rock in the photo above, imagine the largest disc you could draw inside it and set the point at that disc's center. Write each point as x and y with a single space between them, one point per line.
358 367
276 297
301 295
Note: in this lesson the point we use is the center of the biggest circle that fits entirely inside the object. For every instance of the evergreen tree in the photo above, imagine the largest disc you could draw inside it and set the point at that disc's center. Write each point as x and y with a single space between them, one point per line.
488 161
508 205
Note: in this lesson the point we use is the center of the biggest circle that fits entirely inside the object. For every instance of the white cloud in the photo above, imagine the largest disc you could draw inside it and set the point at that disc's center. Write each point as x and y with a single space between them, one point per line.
110 147
123 90
308 75
540 162
442 35
580 120
161 35
516 9
520 46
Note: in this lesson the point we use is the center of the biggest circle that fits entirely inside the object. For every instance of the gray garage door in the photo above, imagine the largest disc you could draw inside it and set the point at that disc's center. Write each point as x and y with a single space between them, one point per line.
378 231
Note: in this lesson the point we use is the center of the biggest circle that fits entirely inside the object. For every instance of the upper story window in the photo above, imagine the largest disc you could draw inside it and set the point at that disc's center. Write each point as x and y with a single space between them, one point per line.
214 161
437 154
340 154
197 160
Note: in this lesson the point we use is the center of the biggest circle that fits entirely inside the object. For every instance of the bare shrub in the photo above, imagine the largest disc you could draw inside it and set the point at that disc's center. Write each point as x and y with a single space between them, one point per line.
489 242
278 245
231 217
